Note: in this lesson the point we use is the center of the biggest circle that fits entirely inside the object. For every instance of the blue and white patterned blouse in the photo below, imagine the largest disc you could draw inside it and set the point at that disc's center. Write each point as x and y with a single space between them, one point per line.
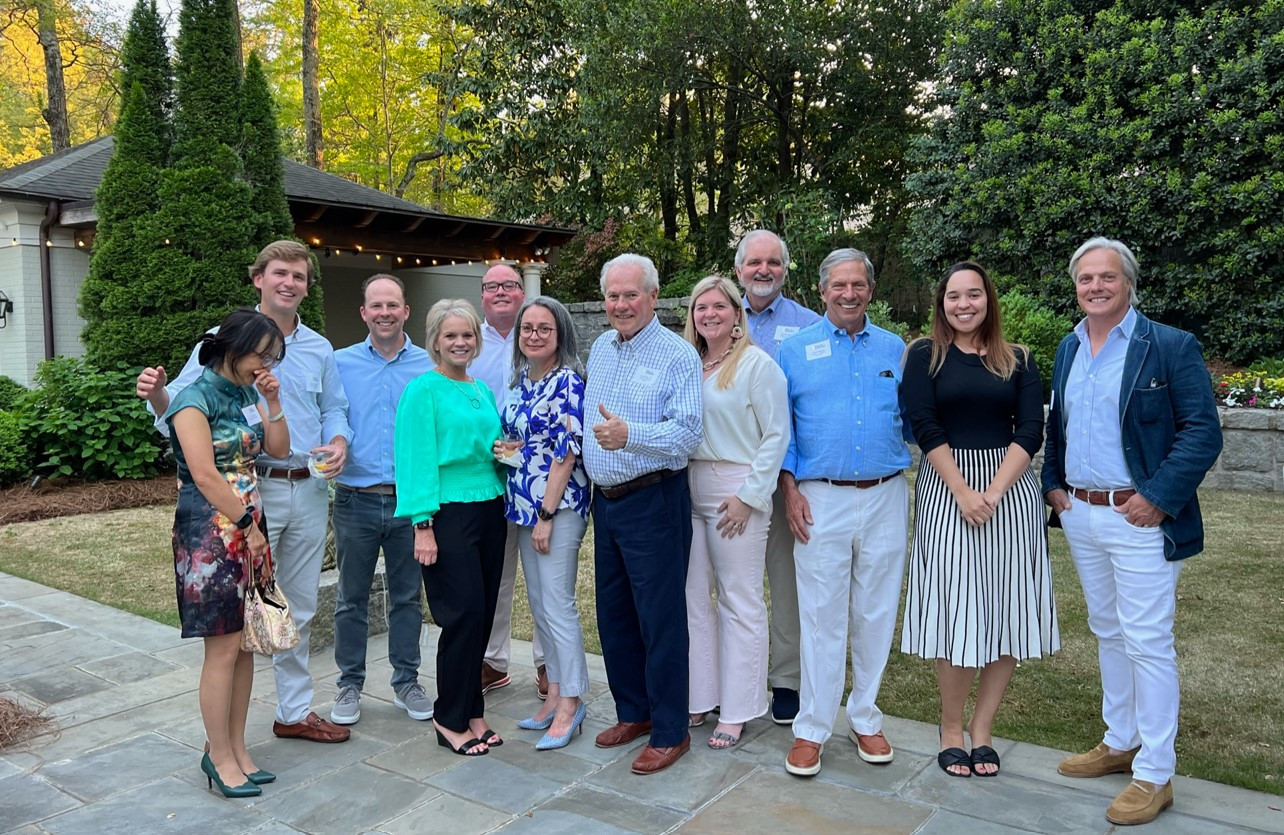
548 415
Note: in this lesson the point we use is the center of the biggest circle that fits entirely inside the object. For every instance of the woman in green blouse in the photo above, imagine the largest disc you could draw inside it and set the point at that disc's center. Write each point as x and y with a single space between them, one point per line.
449 485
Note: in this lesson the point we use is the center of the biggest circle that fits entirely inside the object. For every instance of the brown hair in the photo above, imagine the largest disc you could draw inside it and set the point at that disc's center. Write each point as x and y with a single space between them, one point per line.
288 251
727 373
365 285
997 354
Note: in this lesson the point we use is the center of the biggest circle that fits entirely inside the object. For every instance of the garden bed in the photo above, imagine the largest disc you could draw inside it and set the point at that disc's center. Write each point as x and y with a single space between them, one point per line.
67 497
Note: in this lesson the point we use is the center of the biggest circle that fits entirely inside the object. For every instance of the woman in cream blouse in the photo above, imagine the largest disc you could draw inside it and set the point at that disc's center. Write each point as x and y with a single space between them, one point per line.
733 474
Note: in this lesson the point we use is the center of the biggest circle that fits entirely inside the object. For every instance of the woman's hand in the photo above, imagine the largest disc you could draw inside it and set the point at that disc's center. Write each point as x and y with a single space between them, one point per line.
257 544
497 450
541 535
735 515
425 546
270 387
976 511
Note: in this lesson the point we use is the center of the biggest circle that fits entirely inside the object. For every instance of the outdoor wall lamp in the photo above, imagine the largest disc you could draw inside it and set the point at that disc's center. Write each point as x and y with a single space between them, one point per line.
6 307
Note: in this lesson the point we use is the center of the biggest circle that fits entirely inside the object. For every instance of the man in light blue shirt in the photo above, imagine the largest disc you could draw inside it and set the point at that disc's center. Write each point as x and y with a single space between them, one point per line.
642 415
296 506
375 371
847 504
762 265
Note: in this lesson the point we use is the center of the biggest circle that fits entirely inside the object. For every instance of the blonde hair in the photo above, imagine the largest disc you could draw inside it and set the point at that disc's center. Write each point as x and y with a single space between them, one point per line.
291 252
726 374
443 310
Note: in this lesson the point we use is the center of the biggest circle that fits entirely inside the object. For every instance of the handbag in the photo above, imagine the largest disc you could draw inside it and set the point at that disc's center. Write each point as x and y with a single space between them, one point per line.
269 626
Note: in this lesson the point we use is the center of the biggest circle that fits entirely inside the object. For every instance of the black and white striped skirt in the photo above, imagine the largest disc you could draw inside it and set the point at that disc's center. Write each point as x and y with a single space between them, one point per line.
976 594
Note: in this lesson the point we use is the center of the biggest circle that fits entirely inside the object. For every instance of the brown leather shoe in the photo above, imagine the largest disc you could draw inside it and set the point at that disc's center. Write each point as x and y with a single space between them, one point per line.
492 679
873 748
804 758
1141 802
312 728
1097 762
654 759
622 733
541 682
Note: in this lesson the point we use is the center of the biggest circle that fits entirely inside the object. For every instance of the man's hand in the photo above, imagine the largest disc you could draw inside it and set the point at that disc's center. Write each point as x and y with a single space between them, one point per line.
613 433
337 455
797 510
1140 512
1058 500
425 546
151 387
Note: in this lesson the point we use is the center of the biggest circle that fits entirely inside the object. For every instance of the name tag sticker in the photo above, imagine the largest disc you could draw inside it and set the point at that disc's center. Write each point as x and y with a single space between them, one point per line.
252 416
646 376
818 350
785 331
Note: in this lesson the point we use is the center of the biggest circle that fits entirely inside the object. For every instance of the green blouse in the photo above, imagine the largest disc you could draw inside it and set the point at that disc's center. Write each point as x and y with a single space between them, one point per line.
442 445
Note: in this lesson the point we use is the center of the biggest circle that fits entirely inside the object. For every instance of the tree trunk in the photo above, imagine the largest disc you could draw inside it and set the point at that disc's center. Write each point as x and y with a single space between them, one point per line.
55 114
311 87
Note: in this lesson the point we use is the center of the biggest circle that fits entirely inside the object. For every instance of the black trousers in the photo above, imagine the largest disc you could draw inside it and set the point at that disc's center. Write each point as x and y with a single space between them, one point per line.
462 586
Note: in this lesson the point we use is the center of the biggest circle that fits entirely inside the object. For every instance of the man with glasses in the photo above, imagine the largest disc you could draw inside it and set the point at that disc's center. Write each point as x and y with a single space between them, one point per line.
297 506
502 298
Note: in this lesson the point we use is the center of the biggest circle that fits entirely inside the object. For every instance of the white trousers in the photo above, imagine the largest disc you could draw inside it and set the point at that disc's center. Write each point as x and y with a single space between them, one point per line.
298 515
499 649
728 655
1131 595
849 584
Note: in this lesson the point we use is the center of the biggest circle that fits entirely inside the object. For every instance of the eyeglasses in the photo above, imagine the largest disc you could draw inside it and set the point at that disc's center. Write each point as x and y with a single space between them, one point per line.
494 286
269 361
544 331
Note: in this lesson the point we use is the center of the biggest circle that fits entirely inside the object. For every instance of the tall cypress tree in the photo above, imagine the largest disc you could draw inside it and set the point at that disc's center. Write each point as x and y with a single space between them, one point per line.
145 61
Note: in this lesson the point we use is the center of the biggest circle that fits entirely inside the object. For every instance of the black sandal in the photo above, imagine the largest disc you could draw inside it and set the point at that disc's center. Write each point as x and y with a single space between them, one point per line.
462 750
951 757
491 738
987 755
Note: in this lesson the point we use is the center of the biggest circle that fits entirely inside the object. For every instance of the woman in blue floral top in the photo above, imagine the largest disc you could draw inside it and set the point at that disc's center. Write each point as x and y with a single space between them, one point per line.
547 496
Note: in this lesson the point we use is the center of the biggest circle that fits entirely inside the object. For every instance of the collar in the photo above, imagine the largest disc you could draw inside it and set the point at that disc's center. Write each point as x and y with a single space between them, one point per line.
298 325
840 331
374 352
771 308
490 330
641 337
220 383
1125 327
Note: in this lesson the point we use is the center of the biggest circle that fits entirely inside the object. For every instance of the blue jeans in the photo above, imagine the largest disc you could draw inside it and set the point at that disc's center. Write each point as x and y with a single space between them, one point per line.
363 522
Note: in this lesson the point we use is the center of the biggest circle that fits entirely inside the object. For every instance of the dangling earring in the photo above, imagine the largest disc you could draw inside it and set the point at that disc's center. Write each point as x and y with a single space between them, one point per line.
737 332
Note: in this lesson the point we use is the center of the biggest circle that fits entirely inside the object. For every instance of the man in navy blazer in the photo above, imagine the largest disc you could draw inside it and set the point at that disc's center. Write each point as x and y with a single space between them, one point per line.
1132 430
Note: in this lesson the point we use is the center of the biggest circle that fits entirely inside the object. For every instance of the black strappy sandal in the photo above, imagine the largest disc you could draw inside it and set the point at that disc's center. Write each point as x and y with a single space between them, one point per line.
987 755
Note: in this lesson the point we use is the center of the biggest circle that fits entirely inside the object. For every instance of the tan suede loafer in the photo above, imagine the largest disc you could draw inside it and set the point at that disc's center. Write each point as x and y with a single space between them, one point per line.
1141 802
1098 762
804 758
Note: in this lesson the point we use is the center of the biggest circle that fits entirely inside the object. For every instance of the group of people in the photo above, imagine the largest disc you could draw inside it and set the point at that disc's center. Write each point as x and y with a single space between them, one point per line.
768 439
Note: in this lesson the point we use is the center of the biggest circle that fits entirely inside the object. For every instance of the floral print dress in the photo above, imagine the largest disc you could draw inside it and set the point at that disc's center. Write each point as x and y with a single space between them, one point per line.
211 554
548 415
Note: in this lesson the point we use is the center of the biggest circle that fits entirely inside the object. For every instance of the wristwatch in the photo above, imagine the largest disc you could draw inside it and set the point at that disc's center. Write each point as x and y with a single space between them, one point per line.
425 525
546 515
247 518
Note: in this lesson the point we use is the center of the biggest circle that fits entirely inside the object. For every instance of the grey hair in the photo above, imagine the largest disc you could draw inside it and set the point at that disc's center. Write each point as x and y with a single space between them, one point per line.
439 313
842 256
567 342
755 235
1126 259
650 275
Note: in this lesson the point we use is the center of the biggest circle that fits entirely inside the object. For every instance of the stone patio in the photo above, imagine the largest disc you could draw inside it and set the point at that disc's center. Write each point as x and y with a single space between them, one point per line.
123 691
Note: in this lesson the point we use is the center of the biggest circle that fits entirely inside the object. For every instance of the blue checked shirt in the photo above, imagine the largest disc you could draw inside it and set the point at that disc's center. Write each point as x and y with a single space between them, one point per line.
777 322
844 403
311 394
652 382
1094 437
374 386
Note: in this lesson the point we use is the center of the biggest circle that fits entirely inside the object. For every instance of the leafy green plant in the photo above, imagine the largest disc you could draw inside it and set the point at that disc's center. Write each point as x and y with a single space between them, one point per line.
87 423
1250 390
1030 322
15 454
10 391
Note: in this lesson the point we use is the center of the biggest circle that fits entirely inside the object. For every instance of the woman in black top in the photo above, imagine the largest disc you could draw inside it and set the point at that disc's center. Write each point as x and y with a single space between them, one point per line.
980 584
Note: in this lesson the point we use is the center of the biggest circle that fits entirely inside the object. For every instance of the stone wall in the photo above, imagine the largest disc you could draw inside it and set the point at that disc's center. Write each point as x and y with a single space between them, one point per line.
1253 452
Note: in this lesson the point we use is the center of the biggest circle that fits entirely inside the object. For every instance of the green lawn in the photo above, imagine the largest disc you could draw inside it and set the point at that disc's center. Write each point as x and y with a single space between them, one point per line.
1230 631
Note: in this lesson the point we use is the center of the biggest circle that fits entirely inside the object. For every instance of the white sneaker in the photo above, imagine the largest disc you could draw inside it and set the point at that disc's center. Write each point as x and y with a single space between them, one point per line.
414 701
347 706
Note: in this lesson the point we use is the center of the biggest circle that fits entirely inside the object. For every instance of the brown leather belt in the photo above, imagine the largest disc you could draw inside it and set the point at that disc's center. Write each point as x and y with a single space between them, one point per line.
296 474
619 491
863 483
381 489
1103 497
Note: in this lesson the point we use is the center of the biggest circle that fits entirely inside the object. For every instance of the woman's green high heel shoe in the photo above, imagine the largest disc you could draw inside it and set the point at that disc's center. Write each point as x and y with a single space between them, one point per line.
246 789
261 777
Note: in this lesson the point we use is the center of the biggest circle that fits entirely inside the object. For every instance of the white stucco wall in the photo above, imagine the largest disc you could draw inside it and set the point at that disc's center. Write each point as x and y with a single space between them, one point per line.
22 344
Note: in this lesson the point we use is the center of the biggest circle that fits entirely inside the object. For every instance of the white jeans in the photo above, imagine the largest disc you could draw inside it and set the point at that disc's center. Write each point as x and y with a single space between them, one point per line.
728 660
499 647
1131 595
298 515
849 584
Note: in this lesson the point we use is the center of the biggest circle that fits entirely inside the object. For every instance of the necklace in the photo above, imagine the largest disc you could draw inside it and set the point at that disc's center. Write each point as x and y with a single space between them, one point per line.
475 398
711 363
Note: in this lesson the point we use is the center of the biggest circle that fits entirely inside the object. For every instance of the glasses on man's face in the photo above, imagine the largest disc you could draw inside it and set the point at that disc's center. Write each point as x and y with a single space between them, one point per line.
496 286
544 331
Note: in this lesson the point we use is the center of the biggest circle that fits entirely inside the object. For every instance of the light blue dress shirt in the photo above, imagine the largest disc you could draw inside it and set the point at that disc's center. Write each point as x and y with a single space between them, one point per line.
311 394
1094 440
374 386
844 403
494 365
777 322
653 383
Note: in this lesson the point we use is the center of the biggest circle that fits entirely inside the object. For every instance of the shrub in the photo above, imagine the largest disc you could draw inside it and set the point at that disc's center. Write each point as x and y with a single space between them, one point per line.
10 391
880 313
87 423
15 454
1029 321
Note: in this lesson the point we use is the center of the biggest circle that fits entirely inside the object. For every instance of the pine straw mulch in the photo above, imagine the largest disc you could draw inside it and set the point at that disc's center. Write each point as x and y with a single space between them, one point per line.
67 497
19 723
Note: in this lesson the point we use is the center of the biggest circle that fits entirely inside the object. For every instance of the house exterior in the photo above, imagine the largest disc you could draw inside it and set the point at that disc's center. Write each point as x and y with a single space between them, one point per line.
47 224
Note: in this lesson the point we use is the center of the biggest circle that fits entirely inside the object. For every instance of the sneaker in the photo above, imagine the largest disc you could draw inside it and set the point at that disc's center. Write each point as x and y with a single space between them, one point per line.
784 705
492 678
413 699
347 706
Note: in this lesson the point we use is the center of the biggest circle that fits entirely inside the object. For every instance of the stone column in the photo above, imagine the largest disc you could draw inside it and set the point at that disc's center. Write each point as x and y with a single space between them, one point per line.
531 272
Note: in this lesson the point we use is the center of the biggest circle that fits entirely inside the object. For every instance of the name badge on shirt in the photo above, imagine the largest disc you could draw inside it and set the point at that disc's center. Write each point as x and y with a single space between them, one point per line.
252 416
785 331
819 350
646 376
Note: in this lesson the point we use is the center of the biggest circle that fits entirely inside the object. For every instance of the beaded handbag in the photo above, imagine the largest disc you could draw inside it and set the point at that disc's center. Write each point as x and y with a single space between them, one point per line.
269 626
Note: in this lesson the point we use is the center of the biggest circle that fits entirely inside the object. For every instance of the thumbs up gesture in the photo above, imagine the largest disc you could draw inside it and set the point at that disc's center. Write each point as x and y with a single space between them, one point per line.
613 432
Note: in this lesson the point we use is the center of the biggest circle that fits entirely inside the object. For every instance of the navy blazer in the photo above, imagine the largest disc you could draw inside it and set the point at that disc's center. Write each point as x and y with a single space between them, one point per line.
1170 428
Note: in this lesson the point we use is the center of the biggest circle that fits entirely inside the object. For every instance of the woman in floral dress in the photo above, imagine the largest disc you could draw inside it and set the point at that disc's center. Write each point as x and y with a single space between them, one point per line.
219 425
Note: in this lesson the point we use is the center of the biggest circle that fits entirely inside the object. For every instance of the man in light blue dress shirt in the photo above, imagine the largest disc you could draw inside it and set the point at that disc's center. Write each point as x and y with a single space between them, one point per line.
762 265
642 416
1132 430
847 504
297 507
375 372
